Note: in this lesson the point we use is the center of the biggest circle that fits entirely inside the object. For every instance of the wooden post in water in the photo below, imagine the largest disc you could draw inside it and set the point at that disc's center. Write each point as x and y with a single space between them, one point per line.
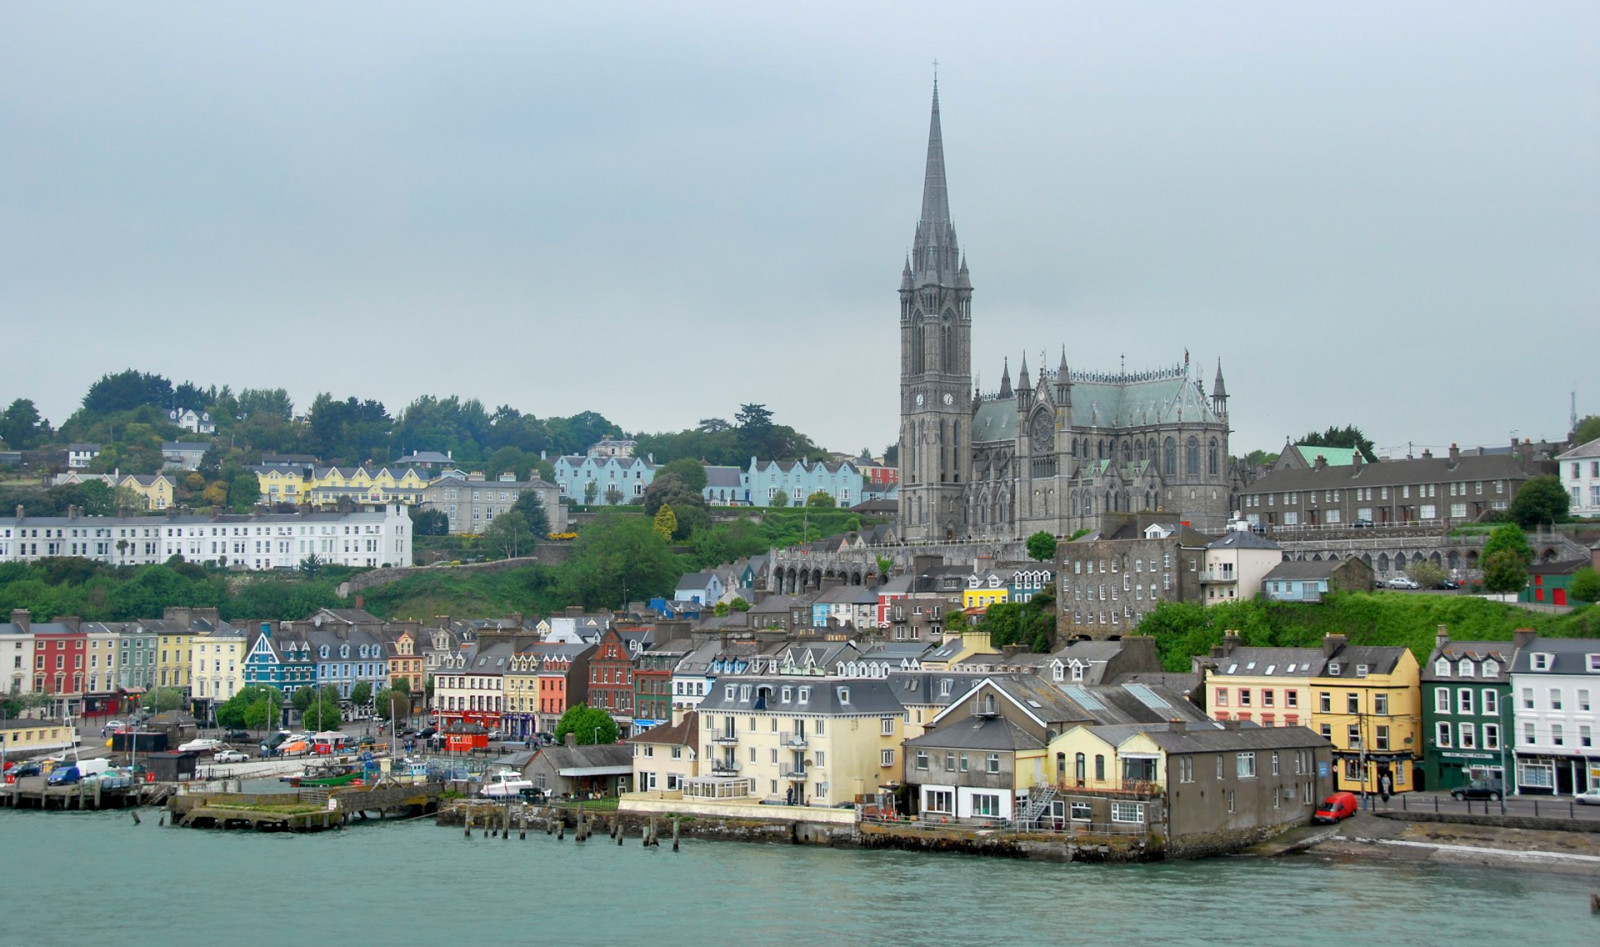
467 818
674 833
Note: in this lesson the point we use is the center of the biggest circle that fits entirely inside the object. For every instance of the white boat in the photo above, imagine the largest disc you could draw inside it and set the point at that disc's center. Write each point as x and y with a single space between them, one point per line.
504 784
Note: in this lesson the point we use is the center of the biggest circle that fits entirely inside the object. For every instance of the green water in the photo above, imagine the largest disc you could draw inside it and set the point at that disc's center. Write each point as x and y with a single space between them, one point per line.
96 878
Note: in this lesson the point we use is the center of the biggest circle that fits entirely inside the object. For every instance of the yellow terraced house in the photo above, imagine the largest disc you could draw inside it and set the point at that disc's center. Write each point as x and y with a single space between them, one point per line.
1367 701
327 485
217 668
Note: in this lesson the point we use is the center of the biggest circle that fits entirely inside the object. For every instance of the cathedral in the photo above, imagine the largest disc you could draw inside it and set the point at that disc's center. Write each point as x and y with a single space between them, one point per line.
1057 450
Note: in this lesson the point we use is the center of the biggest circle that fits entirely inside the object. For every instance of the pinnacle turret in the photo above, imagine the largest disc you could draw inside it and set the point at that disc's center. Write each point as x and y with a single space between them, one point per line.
1005 380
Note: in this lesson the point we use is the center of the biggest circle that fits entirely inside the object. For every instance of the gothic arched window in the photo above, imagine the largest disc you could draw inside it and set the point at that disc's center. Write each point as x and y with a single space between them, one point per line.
1211 458
1170 448
1191 457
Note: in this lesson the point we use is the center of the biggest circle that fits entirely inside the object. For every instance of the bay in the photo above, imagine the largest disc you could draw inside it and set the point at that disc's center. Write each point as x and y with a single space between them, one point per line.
98 877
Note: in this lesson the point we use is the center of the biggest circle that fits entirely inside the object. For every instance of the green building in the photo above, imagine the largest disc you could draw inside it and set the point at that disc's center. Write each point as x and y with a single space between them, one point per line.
1466 712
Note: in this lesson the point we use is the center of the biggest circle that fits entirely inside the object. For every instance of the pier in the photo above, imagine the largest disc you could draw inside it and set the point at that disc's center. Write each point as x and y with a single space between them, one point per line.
305 810
32 792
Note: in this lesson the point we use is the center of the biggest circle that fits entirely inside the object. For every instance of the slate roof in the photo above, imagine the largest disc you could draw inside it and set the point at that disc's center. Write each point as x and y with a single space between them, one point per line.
1156 397
1582 451
1390 473
1269 662
1568 656
866 696
723 477
1237 539
1477 652
1302 570
978 733
685 732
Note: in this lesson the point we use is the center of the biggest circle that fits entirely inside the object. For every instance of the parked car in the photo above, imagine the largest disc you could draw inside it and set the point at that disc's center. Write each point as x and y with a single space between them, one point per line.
1336 808
229 755
1448 585
1403 582
113 725
1480 789
1360 524
30 768
1589 797
237 736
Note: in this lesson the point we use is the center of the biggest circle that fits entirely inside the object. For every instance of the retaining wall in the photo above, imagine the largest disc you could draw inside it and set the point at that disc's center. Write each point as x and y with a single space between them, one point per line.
1498 821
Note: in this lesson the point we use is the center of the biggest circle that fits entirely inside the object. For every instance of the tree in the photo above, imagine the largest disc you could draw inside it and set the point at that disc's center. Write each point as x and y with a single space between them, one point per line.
244 489
690 471
1347 436
665 522
754 419
509 534
311 565
1541 500
617 555
1042 546
1506 557
739 605
613 495
393 703
688 505
821 498
781 498
1586 585
266 711
591 492
588 725
530 506
163 699
302 698
428 522
21 428
235 712
360 694
1587 430
1427 574
322 713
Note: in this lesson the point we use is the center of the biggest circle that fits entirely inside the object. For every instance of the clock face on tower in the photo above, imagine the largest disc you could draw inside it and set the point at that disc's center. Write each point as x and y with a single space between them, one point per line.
949 399
1040 434
919 399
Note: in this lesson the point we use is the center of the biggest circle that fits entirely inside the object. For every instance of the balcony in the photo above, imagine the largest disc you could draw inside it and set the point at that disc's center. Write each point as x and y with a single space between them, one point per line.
725 768
1218 576
793 774
726 739
794 740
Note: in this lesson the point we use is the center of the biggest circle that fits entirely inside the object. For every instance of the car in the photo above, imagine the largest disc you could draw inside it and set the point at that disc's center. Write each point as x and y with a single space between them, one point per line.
1589 797
237 736
116 725
1403 582
1360 524
30 768
202 745
229 755
1480 789
1448 585
1336 808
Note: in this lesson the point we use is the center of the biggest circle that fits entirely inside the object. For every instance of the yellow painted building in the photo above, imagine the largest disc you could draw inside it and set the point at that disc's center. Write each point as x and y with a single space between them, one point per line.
154 491
1267 686
217 664
1368 702
324 486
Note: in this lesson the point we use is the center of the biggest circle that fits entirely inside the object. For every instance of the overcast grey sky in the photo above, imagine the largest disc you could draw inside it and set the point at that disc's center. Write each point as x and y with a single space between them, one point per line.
1384 214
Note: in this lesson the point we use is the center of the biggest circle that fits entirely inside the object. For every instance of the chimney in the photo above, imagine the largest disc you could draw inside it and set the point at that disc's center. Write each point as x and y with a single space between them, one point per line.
1012 650
19 511
1231 641
361 601
1455 455
1331 643
1442 636
1177 725
572 740
1230 724
1521 638
1356 459
22 618
1321 463
266 629
1427 453
71 621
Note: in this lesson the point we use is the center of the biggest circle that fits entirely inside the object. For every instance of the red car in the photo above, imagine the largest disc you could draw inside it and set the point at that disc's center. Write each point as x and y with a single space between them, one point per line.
1337 808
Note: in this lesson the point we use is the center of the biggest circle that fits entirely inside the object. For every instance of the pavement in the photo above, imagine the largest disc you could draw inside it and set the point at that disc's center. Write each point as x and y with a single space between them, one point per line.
1544 807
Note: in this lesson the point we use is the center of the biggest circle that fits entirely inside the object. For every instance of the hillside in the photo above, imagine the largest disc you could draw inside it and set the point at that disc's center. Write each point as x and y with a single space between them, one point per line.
1377 618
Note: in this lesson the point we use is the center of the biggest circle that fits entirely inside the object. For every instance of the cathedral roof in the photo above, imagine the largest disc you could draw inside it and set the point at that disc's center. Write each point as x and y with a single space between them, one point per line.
1108 401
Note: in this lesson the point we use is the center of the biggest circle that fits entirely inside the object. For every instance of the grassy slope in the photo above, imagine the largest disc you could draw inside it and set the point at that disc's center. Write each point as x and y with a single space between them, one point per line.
464 594
1378 618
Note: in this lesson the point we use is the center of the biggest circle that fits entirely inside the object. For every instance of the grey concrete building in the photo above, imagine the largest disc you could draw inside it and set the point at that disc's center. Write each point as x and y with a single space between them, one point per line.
1108 582
1054 453
472 502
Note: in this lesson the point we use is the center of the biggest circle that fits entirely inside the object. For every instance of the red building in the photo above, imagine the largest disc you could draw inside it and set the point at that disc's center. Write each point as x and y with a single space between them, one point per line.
611 680
563 681
58 662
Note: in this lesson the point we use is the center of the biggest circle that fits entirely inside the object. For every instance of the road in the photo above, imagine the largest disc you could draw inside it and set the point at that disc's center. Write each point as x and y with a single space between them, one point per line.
1552 807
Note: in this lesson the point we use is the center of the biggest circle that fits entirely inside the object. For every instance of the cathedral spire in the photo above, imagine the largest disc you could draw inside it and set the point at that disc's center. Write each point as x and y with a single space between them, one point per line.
1005 380
935 257
935 198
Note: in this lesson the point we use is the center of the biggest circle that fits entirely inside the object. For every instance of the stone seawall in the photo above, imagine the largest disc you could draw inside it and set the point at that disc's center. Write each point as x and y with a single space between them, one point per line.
544 553
492 817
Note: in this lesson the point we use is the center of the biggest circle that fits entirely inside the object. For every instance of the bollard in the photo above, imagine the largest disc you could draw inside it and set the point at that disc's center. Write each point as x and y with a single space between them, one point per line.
619 839
561 833
135 818
1536 808
468 824
674 833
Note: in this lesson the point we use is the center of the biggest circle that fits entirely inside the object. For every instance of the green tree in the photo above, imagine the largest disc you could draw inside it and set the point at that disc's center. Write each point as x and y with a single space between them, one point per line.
508 534
360 694
244 490
312 565
1586 585
530 506
1506 557
163 699
739 605
1042 546
689 470
21 427
1541 500
1587 430
720 609
1347 436
821 498
689 511
613 495
665 523
429 522
322 714
781 498
1427 574
234 713
617 555
265 712
591 492
302 698
393 703
588 725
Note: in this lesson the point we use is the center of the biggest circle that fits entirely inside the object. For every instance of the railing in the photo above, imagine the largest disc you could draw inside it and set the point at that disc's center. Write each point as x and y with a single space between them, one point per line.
792 773
725 768
725 739
1131 789
796 740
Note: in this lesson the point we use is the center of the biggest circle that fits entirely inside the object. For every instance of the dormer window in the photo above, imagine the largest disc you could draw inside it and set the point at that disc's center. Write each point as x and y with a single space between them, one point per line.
1361 670
1441 668
1594 663
844 695
323 652
805 694
1491 668
1465 668
1057 671
731 693
1541 661
1333 669
1077 672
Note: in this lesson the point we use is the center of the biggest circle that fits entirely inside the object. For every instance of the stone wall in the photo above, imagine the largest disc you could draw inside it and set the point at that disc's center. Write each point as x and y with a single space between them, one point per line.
1496 821
544 553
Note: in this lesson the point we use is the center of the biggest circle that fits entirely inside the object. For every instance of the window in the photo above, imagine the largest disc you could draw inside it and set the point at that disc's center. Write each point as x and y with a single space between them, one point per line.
1380 704
1352 703
1464 701
1291 699
940 800
1244 697
1491 703
1583 698
1081 812
1467 735
1353 735
1185 769
1491 736
1099 767
887 758
1246 765
1555 698
1558 735
1274 764
963 762
992 764
1380 737
985 804
886 726
1585 736
1527 698
1222 697
1129 812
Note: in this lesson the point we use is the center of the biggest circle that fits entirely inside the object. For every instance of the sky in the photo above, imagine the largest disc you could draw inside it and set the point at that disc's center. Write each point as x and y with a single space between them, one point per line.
1373 213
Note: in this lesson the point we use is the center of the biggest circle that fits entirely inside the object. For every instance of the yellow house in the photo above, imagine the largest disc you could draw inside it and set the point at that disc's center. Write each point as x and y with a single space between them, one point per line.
282 484
1368 703
665 758
154 491
958 647
984 589
217 664
802 741
1267 686
328 485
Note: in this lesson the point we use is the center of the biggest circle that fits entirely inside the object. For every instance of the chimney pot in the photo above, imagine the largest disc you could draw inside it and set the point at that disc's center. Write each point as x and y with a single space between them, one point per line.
1331 643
